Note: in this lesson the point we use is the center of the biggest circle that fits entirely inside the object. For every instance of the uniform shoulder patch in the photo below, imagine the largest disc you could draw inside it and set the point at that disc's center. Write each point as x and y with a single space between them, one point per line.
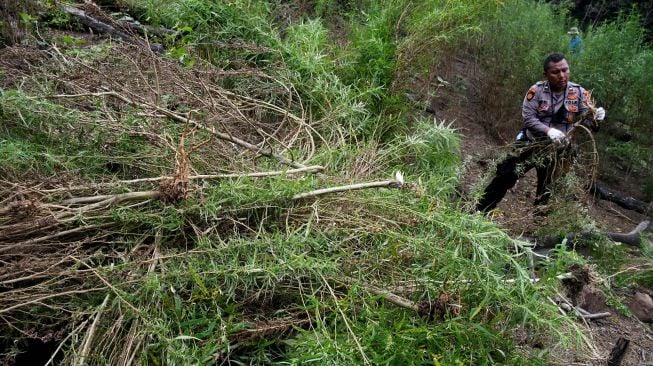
531 94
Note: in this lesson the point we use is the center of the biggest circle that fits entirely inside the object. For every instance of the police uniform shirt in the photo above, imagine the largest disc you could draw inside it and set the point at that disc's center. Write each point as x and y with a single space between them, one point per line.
542 108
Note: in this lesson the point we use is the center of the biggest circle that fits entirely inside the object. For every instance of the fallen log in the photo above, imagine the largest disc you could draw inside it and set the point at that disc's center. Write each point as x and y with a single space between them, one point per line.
144 30
102 27
621 199
633 238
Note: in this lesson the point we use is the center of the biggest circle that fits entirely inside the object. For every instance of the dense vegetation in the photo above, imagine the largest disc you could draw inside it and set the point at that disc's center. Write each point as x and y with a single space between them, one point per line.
239 268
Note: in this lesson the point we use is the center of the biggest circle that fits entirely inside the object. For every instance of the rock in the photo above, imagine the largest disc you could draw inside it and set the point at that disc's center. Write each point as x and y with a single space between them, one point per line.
642 307
592 299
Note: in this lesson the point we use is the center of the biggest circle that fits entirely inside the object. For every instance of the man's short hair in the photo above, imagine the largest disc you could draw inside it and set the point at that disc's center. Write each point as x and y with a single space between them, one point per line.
551 59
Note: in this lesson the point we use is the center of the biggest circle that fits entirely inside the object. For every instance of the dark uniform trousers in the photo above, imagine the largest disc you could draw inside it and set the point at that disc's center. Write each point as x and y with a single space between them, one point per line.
541 155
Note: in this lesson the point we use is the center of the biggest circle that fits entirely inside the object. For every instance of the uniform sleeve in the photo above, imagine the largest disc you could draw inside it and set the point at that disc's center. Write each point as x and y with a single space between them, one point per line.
529 112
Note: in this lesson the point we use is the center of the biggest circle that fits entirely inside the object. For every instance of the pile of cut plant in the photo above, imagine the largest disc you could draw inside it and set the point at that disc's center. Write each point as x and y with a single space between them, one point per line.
231 210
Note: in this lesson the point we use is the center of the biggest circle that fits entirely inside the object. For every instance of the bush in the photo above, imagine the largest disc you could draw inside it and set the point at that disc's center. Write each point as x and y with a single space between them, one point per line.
615 64
612 56
372 63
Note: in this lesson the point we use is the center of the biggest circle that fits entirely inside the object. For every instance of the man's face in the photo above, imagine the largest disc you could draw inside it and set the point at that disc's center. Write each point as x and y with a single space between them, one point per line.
558 74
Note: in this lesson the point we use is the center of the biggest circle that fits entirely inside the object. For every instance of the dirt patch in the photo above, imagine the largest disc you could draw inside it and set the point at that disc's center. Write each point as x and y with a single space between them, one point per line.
580 277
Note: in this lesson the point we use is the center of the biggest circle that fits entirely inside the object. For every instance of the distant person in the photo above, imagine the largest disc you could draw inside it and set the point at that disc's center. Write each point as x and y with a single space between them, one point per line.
575 41
549 111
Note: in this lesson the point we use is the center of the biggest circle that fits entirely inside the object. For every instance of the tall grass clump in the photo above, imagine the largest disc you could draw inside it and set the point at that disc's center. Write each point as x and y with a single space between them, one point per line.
348 87
429 154
231 35
334 105
612 54
43 138
207 21
301 294
238 35
372 61
440 257
434 30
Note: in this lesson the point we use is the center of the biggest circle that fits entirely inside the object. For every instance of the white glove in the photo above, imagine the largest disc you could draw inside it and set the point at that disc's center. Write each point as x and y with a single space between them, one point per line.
556 135
599 115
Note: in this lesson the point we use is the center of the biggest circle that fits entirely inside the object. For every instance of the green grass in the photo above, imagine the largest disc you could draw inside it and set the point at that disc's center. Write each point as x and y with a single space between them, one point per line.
203 298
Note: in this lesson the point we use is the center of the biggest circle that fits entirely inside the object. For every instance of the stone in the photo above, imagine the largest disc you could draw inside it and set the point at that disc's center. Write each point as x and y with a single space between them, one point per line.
642 307
592 299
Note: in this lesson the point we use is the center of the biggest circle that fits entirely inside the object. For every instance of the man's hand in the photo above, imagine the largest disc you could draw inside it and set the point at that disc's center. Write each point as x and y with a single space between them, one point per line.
599 115
556 135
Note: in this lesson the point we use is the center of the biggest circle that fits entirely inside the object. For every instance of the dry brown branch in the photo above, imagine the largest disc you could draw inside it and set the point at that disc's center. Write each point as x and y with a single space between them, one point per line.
582 313
596 315
105 201
50 296
70 209
63 233
112 198
392 298
41 274
308 169
88 338
394 183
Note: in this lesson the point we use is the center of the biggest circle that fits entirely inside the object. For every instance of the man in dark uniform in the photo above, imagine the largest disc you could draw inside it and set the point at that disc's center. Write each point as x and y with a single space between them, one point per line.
549 111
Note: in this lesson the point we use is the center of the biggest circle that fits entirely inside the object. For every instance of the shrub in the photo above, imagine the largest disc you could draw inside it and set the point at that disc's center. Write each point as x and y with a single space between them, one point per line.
615 64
